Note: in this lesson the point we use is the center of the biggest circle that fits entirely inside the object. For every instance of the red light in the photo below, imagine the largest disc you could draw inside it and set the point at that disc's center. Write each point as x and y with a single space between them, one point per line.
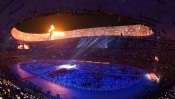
153 76
156 58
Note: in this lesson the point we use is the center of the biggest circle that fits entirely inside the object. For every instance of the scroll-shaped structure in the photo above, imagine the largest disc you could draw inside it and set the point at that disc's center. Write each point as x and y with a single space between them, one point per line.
131 30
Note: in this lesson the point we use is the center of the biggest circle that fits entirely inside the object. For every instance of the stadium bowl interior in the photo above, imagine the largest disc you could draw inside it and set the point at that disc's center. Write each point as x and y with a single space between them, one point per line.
60 49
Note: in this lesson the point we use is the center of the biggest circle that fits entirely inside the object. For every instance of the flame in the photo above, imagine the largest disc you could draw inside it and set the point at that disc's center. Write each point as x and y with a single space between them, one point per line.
51 28
55 35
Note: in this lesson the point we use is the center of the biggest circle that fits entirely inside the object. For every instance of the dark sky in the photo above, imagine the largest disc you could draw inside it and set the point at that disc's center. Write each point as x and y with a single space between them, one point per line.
68 21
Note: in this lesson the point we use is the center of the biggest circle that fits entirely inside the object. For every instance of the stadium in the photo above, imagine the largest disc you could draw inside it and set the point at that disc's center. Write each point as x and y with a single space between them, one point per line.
90 49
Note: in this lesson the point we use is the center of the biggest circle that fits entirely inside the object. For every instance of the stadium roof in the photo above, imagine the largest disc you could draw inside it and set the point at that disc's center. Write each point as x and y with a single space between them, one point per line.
157 14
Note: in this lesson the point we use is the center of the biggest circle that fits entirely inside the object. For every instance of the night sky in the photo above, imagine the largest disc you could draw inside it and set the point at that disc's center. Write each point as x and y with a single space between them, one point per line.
69 21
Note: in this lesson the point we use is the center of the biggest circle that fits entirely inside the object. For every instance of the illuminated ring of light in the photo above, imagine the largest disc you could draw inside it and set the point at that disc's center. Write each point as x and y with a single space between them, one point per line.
131 30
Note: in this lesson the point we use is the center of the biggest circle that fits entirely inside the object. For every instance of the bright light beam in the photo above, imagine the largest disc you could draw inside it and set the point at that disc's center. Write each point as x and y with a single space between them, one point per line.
66 66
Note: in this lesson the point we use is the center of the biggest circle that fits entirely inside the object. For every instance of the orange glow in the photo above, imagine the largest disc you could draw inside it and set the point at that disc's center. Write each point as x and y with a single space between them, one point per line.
56 35
23 46
51 31
131 30
51 28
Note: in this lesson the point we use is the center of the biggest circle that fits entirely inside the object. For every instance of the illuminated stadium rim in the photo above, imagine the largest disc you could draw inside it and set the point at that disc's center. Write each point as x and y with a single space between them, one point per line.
130 30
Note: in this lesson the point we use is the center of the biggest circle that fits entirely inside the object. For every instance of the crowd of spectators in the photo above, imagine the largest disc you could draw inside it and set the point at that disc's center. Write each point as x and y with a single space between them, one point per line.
170 94
11 86
128 31
9 90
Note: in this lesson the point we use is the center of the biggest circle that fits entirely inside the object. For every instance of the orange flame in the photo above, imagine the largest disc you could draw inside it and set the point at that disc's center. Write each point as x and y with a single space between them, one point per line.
51 28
